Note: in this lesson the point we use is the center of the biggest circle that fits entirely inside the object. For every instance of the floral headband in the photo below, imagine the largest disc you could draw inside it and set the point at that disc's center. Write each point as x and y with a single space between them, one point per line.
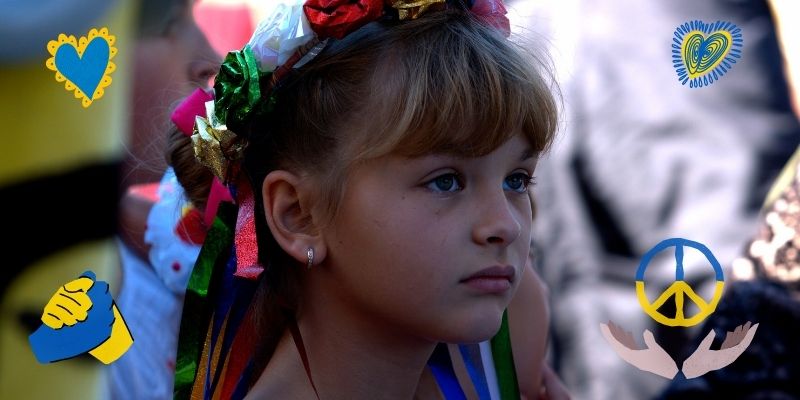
217 337
291 37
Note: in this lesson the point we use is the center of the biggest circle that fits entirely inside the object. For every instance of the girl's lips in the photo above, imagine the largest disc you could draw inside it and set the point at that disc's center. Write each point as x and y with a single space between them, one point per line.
492 280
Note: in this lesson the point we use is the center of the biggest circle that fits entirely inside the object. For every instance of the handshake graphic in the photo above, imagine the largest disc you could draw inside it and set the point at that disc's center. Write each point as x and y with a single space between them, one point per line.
81 317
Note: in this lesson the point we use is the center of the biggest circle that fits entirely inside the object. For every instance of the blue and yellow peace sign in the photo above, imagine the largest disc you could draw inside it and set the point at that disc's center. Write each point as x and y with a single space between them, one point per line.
679 288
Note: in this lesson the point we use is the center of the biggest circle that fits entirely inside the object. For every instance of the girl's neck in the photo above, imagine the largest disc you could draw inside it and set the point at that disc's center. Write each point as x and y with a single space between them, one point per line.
350 357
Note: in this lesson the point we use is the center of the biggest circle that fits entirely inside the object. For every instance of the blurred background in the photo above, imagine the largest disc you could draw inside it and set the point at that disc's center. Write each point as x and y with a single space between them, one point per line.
642 158
639 158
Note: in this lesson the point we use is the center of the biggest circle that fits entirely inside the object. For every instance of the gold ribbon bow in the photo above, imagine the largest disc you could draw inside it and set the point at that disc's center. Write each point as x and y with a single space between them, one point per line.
414 8
215 146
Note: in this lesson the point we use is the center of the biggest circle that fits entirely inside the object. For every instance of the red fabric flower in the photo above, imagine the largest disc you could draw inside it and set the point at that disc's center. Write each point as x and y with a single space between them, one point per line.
492 13
337 18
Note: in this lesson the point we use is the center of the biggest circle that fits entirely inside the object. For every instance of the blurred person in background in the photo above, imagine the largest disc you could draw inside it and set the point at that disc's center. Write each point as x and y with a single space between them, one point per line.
172 58
642 159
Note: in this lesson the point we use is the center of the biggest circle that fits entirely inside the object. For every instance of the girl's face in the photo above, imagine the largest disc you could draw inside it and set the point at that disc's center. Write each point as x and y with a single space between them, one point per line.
434 246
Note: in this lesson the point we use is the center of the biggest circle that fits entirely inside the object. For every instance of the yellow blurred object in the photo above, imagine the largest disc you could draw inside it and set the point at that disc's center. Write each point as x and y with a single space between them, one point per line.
785 13
50 134
783 181
21 376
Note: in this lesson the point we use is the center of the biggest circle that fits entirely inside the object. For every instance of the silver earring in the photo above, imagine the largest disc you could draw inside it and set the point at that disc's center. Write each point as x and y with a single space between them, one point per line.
310 254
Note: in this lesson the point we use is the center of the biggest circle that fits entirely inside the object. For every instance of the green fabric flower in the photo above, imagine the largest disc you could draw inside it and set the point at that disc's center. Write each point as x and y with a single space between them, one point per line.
238 90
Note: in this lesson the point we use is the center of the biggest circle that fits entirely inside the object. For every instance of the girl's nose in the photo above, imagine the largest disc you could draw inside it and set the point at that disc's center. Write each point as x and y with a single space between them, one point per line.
497 223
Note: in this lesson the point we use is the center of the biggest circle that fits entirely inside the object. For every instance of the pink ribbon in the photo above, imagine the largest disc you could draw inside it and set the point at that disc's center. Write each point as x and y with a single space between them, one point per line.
192 106
218 194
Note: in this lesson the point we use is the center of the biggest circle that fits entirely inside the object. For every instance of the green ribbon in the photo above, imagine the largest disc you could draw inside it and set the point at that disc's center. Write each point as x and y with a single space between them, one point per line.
237 89
198 305
504 362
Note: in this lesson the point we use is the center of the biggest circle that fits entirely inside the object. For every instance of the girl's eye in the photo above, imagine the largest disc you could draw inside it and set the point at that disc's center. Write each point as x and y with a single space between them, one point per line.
445 183
518 182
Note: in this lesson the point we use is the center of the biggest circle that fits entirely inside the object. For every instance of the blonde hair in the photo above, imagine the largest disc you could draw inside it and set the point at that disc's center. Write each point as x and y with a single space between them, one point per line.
443 83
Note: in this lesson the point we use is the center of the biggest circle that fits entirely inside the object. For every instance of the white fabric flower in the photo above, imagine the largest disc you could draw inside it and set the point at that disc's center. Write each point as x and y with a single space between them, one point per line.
277 37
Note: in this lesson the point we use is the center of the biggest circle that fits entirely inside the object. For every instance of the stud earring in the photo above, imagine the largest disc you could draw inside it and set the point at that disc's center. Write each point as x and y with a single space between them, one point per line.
310 254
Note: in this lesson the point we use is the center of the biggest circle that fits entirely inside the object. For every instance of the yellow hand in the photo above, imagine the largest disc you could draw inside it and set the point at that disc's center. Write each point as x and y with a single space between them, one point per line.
117 344
69 305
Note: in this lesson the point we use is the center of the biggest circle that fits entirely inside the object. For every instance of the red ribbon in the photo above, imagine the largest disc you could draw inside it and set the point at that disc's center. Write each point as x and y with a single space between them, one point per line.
247 265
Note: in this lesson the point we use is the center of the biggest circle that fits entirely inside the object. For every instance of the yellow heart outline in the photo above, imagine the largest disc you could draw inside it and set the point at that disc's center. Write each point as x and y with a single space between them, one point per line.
80 47
707 69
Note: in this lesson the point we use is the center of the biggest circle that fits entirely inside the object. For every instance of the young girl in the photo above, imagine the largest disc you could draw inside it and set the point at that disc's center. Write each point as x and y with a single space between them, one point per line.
381 175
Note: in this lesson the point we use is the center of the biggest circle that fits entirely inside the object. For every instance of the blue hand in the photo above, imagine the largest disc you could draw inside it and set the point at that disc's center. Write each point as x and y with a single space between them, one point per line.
51 345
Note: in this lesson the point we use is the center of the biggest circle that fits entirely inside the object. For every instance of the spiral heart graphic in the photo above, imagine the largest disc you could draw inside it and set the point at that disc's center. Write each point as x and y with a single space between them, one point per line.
702 53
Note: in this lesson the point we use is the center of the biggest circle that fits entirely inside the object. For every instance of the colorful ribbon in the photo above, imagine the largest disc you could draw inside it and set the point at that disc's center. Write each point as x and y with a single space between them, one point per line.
247 265
441 366
475 372
504 362
198 305
218 193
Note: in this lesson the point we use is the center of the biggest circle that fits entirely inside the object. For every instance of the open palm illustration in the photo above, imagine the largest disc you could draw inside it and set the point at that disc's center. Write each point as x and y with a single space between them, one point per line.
704 359
655 359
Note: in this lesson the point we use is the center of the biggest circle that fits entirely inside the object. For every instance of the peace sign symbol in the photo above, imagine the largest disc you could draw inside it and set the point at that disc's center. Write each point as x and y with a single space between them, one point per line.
679 288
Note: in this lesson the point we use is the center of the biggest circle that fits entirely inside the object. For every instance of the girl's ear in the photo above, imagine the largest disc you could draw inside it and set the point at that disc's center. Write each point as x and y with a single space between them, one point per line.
288 211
